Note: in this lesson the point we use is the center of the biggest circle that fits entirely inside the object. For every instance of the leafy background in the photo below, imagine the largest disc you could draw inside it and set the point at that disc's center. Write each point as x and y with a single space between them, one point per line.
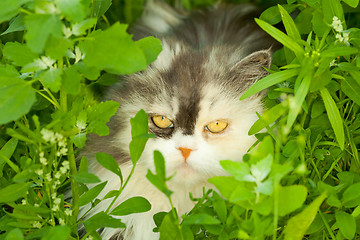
301 182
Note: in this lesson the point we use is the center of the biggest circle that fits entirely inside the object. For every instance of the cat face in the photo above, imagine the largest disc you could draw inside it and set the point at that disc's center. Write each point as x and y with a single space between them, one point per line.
194 111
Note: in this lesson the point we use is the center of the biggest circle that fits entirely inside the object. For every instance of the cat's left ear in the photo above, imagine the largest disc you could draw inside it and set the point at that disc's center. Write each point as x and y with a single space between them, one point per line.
252 67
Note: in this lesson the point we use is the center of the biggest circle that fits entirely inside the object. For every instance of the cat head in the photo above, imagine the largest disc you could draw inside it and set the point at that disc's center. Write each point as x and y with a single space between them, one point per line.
192 99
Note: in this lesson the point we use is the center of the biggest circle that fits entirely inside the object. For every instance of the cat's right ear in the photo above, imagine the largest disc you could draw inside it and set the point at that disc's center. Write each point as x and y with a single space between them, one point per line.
252 67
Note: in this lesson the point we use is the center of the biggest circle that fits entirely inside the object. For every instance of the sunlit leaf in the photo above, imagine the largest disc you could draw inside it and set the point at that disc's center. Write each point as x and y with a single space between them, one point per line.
334 116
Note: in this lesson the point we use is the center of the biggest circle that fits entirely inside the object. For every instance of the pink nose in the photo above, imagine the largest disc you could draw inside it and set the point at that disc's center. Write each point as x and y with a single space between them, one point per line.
185 152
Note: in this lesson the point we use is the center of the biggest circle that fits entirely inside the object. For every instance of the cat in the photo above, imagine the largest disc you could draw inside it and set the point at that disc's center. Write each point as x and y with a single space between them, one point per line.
191 94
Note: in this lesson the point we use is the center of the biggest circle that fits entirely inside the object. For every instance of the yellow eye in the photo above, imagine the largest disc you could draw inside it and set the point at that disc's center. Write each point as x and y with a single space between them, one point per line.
216 126
162 121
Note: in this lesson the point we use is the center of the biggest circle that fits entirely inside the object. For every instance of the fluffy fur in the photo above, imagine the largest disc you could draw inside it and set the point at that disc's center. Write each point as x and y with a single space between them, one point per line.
209 59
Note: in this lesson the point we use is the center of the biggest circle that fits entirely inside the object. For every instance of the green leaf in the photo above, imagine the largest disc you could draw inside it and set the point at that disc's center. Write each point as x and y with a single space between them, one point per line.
101 220
238 169
119 54
36 65
169 228
352 3
270 80
132 205
100 7
51 79
72 81
84 165
200 218
351 196
289 24
108 162
39 28
57 233
79 140
232 189
10 8
331 8
300 95
220 207
151 47
23 176
99 115
90 195
261 169
159 161
272 14
139 127
334 117
108 79
290 198
346 223
79 29
159 183
83 177
298 224
13 192
7 151
56 48
351 88
111 194
73 10
18 53
12 106
282 38
15 234
16 24
338 51
319 26
90 73
8 71
268 117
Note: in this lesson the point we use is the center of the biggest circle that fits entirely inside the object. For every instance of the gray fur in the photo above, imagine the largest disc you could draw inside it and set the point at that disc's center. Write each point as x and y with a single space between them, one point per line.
219 48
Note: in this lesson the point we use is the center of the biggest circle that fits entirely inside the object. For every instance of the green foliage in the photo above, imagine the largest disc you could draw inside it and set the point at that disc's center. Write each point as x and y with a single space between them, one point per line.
302 180
47 106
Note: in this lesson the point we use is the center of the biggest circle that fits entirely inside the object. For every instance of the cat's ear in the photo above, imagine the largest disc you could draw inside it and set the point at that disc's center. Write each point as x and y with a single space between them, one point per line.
252 67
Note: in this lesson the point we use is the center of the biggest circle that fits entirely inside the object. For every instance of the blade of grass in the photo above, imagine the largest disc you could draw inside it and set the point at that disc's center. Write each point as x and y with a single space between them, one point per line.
334 117
270 80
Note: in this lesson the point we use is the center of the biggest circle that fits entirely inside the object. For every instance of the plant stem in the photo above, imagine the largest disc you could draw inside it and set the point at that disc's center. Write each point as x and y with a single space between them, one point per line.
121 189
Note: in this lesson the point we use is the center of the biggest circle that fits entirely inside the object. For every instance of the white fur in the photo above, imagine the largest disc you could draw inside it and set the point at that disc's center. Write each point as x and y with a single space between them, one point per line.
192 174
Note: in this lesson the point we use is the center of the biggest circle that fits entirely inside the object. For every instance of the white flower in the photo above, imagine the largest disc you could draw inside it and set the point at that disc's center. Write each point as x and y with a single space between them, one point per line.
68 212
66 164
346 38
36 224
339 37
55 208
57 182
48 135
57 175
57 201
336 24
62 151
63 170
48 177
36 205
89 238
23 202
43 161
39 172
332 63
61 221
